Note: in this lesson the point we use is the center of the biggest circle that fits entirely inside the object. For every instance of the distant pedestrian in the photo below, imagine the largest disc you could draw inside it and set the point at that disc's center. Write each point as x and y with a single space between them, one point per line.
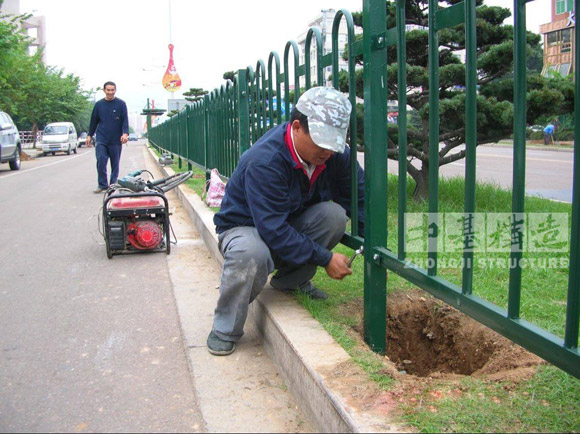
549 133
111 124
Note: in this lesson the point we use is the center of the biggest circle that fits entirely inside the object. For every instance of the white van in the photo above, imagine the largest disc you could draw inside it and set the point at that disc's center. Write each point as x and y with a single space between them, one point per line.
59 136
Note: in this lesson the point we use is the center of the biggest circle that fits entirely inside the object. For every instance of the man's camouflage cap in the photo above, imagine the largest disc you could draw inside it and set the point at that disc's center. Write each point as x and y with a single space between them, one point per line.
328 113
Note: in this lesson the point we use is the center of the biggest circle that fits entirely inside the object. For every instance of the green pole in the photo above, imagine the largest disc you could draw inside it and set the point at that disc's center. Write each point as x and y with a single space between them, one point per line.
433 138
573 305
243 112
470 142
375 115
519 160
206 159
402 123
148 118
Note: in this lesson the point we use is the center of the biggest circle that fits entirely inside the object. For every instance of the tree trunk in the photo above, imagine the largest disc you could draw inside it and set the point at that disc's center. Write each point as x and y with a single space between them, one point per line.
421 178
34 133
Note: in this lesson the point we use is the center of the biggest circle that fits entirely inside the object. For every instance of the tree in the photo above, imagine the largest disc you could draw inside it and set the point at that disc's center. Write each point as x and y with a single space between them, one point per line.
51 96
495 86
229 75
195 94
33 93
14 62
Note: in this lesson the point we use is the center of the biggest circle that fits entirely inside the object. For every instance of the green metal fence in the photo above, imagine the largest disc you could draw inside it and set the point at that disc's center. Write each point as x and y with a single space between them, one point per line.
216 131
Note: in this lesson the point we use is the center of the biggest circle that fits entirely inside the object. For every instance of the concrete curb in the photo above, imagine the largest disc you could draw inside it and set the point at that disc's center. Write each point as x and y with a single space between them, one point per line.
532 147
301 350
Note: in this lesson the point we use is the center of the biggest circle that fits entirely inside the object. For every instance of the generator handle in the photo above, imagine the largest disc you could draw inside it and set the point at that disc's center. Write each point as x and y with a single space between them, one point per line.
109 197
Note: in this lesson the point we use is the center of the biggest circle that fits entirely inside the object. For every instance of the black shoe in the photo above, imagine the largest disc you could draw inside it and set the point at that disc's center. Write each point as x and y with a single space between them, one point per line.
219 347
312 291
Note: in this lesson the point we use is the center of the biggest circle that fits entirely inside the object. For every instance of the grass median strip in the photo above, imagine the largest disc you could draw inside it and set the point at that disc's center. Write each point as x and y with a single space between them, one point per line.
531 398
540 398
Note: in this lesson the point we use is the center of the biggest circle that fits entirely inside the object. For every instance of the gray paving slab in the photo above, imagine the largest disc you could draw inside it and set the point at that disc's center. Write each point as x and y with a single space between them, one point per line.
239 393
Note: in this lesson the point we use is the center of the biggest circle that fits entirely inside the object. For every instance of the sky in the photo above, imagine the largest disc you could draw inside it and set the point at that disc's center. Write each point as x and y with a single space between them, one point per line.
126 41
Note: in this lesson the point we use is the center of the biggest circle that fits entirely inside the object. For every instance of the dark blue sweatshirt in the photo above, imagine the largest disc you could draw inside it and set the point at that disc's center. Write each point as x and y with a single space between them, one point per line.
110 121
269 186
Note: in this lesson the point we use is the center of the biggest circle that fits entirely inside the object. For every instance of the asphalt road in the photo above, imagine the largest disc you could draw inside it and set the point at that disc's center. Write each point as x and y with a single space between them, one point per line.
548 172
87 343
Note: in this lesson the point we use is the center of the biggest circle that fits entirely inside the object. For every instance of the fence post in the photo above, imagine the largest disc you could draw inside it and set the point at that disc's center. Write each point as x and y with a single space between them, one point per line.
243 115
206 136
375 126
573 305
188 136
179 140
519 156
433 62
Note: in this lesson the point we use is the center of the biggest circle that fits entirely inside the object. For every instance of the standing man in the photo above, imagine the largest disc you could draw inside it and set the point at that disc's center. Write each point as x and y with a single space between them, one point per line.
110 121
285 207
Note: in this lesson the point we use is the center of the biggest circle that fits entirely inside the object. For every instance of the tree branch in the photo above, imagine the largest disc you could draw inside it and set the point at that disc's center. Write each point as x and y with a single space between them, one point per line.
414 152
413 171
451 158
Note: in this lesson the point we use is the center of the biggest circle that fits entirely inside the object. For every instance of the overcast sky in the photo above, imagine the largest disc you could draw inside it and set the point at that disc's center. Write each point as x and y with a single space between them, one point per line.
126 40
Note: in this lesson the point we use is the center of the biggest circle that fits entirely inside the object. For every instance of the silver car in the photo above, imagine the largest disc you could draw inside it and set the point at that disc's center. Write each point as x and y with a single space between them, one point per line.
10 146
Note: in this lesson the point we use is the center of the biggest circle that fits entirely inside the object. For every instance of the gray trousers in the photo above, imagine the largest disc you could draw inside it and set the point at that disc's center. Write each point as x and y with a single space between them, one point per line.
248 261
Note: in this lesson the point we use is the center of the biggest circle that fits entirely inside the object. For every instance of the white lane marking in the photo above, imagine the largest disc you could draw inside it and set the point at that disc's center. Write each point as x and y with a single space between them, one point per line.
21 172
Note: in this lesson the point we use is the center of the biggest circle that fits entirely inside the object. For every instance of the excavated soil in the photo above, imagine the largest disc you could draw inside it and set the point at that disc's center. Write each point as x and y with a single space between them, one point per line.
431 348
427 338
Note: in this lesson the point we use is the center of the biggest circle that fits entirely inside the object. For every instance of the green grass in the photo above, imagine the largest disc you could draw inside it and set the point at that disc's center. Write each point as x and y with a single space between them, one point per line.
544 308
548 402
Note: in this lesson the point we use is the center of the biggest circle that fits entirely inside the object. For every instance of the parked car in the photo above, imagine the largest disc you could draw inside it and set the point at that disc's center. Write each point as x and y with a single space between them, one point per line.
133 137
59 136
10 146
82 139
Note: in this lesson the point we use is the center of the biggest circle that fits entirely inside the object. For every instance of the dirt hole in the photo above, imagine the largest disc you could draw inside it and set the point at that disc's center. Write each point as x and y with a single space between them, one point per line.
426 337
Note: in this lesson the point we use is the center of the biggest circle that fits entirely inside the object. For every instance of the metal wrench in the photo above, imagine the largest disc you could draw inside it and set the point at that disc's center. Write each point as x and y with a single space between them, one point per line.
357 252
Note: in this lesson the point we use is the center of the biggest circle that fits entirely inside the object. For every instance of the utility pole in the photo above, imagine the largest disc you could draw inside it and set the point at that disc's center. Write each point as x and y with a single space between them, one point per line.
151 111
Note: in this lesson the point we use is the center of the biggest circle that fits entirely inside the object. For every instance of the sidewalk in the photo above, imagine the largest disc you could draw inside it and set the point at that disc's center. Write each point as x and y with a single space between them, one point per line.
312 365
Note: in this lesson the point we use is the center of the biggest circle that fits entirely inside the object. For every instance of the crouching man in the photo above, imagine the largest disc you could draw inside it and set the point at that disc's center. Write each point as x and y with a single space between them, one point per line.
285 207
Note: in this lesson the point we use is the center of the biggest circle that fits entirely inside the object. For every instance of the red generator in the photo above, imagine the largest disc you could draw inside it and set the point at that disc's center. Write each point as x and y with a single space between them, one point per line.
135 222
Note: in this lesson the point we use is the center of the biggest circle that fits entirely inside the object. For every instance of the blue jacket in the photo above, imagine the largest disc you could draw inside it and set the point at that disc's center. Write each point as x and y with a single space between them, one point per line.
549 129
269 186
110 121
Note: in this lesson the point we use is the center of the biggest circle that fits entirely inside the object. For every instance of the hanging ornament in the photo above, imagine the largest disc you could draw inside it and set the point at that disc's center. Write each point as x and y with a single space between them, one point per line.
171 80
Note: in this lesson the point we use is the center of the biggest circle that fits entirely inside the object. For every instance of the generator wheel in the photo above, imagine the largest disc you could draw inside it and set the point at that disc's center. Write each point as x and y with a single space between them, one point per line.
108 247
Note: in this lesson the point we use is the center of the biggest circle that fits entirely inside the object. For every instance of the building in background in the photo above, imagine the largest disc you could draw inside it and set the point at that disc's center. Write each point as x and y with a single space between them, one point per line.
177 104
324 22
137 123
559 50
34 27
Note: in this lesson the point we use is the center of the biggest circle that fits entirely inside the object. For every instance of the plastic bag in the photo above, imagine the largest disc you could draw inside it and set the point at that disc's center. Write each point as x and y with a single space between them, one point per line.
216 190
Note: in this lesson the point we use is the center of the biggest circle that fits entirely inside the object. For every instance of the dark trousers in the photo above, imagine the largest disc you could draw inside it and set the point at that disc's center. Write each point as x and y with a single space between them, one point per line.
105 153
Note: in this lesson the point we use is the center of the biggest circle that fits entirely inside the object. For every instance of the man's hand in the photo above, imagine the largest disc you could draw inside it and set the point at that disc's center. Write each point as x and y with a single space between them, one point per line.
124 138
337 268
88 142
